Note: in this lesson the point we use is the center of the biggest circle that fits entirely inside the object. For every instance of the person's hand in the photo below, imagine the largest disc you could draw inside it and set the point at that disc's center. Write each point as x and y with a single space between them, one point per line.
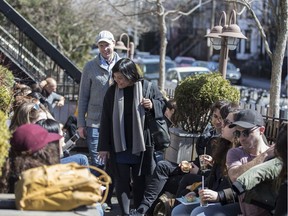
82 132
185 166
60 103
103 155
269 153
208 195
147 103
208 160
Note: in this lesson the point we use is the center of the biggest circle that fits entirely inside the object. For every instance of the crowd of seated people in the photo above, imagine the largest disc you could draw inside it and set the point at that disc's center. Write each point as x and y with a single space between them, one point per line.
240 151
37 138
252 169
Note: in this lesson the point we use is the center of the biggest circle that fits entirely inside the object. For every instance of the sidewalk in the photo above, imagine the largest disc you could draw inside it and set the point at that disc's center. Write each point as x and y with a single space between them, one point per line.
115 208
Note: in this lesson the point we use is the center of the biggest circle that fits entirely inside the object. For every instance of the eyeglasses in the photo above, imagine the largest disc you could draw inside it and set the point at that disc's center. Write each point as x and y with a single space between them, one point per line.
227 122
245 133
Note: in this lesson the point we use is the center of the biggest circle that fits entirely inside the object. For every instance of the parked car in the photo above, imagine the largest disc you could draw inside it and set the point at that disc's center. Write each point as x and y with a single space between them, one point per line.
208 64
183 61
150 67
175 75
233 73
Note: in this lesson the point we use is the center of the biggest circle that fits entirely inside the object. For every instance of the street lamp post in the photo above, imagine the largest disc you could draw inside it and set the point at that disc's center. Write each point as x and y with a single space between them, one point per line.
224 38
129 47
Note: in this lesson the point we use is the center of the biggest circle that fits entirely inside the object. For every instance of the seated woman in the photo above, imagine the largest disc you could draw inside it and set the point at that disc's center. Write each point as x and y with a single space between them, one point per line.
54 127
28 112
217 179
29 149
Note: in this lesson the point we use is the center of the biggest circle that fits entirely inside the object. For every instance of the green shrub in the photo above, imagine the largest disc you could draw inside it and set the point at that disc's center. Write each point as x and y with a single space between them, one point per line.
6 88
194 97
6 97
4 139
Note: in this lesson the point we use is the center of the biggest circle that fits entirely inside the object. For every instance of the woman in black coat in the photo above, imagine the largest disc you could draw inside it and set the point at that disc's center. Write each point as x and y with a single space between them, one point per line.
124 139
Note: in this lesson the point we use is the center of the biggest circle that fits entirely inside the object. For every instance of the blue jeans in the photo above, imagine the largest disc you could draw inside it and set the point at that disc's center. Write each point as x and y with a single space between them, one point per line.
77 158
92 139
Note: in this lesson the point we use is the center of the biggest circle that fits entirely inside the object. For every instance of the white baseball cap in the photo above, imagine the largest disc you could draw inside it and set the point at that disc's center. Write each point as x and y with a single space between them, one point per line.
106 36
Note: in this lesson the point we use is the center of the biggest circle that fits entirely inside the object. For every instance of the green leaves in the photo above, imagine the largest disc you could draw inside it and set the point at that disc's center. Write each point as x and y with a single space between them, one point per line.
4 139
194 97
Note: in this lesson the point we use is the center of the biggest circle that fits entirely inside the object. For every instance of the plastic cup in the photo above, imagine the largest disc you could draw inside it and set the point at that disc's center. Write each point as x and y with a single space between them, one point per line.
186 166
203 163
203 203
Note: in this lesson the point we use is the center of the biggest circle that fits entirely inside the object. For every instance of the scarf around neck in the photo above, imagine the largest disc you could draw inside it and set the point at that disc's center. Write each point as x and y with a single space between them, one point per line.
138 117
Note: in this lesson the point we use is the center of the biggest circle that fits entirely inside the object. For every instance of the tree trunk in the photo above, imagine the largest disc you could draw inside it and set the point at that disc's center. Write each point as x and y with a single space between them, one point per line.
163 44
277 60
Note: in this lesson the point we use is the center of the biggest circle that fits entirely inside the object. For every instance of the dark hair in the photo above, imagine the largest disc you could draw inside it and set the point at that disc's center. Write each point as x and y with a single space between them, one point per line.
170 104
228 108
50 125
218 105
18 162
128 68
222 145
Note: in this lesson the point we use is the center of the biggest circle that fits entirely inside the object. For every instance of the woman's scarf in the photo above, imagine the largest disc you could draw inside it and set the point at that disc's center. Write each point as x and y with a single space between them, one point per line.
138 117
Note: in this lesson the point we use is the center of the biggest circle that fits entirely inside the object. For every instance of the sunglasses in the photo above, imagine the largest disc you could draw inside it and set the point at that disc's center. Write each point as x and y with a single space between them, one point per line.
245 133
36 107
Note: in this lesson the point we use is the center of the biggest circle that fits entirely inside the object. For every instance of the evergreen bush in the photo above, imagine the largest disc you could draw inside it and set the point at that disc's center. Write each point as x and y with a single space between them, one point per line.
194 97
6 97
4 139
6 89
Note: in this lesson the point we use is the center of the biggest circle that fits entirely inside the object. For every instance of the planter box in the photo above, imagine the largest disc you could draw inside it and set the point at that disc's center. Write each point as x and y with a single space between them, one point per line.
182 146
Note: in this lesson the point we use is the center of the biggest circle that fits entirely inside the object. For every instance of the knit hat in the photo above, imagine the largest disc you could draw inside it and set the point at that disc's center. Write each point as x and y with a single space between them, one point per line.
105 36
32 137
248 118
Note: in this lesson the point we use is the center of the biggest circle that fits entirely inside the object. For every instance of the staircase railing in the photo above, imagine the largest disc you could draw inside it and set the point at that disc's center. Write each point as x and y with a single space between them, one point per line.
34 55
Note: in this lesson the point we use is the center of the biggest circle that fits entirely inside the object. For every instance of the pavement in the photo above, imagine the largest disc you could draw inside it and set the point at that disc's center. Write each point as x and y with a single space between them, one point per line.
115 208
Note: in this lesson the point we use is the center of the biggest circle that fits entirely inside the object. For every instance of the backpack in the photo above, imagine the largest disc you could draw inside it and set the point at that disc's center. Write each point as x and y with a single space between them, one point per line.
61 187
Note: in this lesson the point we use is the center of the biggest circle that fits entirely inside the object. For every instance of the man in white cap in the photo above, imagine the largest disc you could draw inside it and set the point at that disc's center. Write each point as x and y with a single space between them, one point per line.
95 80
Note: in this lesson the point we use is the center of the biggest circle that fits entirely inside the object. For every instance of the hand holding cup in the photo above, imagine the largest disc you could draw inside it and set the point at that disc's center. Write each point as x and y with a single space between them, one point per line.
185 166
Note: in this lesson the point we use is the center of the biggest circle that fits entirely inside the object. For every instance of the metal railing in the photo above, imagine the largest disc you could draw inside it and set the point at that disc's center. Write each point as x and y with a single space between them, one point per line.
272 123
34 55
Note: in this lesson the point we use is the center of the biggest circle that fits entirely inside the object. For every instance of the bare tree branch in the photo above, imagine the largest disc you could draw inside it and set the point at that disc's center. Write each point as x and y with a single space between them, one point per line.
257 21
181 13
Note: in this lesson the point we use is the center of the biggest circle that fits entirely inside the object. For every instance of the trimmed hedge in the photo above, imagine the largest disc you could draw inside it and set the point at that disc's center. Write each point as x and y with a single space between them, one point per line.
194 97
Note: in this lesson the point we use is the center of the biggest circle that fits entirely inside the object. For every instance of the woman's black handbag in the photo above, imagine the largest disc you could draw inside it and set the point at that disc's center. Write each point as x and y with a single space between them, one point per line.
158 128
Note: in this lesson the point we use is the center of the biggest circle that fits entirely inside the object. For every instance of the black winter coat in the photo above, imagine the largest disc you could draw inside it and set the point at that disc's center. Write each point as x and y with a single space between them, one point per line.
106 142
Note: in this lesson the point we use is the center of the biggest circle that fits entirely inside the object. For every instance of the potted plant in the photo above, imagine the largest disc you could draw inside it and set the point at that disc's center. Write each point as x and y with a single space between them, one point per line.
194 97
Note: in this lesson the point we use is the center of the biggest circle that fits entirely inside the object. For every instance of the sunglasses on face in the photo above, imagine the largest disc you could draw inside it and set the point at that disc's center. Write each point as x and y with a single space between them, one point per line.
36 107
245 133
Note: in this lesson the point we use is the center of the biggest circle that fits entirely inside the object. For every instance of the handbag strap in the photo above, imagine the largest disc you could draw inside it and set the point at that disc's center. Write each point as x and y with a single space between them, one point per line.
103 179
148 89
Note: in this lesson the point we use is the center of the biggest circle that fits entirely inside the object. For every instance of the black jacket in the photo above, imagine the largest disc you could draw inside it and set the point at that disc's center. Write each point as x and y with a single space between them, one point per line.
106 142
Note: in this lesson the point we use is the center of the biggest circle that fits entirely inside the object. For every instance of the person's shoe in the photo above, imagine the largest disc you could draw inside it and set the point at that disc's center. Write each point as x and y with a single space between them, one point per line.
106 207
134 212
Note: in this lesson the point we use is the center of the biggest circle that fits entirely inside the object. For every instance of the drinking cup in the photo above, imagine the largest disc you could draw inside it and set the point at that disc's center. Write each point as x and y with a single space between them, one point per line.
203 203
185 166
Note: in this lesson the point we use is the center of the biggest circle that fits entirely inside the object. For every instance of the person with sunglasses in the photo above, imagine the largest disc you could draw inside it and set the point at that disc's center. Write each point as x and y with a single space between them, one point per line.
250 128
217 181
